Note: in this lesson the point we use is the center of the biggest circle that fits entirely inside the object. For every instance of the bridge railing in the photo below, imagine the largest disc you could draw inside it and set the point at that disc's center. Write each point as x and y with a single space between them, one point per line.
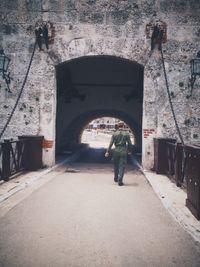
183 165
11 158
176 163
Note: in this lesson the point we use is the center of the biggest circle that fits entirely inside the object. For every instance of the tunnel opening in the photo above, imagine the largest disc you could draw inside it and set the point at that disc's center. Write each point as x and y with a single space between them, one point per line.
97 133
92 87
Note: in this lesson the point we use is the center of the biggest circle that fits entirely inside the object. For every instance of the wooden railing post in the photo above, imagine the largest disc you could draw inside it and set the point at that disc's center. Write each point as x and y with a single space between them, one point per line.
6 160
19 155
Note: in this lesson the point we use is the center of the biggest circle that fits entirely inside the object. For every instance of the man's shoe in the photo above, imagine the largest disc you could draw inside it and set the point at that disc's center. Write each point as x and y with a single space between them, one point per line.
116 180
120 183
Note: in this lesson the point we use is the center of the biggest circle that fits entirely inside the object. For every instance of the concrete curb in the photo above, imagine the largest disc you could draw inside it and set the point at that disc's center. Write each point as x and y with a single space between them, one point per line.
173 198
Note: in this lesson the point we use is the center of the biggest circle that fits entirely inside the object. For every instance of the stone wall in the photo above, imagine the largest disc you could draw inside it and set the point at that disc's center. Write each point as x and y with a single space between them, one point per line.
101 27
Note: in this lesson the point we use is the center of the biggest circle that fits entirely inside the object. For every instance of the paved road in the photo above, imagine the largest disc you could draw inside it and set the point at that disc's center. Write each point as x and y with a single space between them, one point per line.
96 138
81 218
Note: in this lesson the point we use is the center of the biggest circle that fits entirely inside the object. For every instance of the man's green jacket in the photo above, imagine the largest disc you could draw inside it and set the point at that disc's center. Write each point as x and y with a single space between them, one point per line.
121 140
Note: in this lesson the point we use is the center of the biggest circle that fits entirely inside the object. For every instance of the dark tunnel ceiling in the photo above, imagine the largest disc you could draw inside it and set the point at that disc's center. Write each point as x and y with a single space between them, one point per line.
100 71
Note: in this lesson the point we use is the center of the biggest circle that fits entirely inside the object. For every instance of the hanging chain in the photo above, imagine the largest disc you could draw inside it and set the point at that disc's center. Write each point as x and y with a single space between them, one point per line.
20 93
170 100
174 115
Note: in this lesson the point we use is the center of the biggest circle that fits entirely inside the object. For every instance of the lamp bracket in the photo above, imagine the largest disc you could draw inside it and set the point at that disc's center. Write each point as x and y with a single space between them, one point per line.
44 33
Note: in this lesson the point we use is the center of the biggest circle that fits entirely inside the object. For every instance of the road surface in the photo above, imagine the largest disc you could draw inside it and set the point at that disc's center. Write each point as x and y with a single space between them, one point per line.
80 218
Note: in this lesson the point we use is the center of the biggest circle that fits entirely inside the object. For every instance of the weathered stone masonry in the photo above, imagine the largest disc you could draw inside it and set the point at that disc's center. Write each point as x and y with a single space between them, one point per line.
101 27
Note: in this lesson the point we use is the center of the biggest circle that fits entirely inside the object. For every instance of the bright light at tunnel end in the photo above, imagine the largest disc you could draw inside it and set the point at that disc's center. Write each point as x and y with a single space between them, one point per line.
97 133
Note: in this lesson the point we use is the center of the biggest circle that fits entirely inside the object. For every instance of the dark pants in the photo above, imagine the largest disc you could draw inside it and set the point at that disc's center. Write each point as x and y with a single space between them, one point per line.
120 160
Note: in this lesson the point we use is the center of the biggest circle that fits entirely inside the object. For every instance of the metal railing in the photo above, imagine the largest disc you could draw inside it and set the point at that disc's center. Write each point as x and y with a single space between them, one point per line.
169 159
11 158
171 155
181 163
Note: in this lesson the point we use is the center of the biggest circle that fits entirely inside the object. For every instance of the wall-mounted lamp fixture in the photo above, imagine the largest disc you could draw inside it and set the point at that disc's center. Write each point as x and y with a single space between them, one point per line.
195 70
4 63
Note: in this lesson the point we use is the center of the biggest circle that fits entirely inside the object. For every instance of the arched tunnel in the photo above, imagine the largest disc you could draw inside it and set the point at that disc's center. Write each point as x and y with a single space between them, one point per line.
97 86
78 125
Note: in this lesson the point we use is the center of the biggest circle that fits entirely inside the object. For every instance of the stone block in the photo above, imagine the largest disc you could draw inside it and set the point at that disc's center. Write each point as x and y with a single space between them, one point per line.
33 5
186 33
121 45
9 5
3 17
64 17
88 5
182 19
69 5
89 17
23 17
48 96
177 6
55 6
194 5
9 29
76 47
181 14
47 108
117 17
147 8
99 45
16 47
132 29
109 31
21 61
107 6
13 131
91 2
3 116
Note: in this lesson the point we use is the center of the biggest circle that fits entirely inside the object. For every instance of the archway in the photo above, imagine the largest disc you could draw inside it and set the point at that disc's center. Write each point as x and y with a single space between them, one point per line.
74 131
97 86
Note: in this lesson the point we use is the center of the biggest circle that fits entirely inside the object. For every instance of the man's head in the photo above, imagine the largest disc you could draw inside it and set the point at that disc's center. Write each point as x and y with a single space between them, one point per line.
121 125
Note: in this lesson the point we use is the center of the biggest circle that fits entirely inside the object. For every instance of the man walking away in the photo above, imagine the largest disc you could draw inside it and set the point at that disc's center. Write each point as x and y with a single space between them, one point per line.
121 140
